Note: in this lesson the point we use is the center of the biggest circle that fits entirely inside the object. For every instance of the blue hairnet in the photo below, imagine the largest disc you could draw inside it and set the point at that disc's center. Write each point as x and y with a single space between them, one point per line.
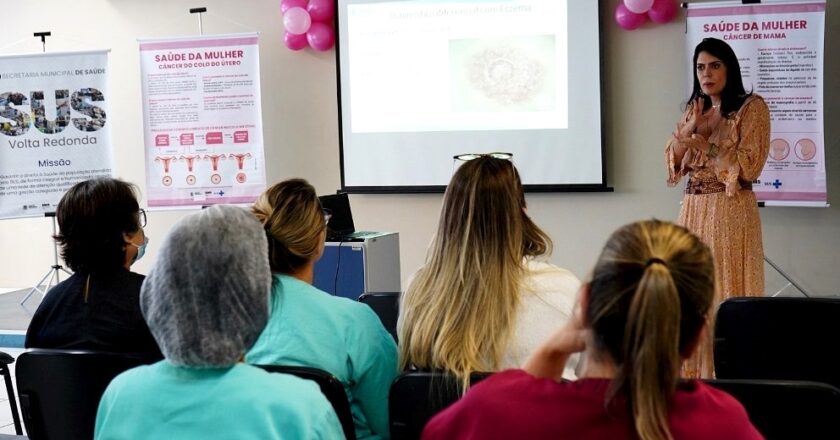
206 297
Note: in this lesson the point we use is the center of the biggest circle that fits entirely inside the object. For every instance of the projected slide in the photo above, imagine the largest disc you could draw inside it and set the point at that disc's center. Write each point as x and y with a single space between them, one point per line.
424 80
441 66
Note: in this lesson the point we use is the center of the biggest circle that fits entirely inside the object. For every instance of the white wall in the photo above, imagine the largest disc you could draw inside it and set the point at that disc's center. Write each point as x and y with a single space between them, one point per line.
643 89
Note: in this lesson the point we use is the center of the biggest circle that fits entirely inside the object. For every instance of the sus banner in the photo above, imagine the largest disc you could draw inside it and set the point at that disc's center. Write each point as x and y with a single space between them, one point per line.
54 128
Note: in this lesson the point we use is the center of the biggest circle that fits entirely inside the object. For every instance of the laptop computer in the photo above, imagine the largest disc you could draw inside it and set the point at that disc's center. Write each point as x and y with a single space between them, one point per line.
340 226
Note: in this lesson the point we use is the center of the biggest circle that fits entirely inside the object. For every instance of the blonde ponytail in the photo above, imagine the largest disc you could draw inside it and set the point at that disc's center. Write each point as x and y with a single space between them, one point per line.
650 292
651 344
294 224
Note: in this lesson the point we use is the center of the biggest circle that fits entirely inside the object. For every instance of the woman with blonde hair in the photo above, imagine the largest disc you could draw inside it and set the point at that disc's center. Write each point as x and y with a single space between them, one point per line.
309 327
640 317
482 301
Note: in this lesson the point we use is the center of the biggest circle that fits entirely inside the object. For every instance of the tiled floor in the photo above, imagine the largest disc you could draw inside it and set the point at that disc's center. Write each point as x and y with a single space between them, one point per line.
6 425
13 314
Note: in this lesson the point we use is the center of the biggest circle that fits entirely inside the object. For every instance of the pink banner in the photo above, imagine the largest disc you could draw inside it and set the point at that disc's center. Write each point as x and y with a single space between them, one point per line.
781 52
202 120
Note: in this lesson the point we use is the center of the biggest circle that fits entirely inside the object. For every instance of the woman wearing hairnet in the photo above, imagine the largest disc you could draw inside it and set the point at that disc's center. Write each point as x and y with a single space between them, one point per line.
312 328
206 302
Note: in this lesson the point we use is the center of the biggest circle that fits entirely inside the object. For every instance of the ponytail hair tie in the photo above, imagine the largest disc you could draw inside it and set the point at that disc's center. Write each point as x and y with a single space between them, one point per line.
653 260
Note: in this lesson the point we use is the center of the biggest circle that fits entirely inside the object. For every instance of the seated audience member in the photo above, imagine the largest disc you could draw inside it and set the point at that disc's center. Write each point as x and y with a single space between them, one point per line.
206 302
309 327
483 301
101 235
641 316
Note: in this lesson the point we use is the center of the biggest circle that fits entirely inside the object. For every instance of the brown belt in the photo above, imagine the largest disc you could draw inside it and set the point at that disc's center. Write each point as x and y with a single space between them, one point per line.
711 186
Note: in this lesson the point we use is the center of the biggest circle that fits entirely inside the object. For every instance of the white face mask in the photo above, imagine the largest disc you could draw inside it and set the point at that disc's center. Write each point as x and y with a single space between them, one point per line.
141 248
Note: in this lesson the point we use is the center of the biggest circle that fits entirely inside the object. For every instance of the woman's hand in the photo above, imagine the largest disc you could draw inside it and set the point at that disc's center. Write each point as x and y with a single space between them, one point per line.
550 359
695 116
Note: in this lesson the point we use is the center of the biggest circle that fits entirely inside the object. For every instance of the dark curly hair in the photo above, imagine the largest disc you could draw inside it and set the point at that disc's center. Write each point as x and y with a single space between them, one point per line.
92 216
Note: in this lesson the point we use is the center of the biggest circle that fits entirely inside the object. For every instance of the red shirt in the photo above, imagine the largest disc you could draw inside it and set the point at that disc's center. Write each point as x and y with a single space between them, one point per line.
515 405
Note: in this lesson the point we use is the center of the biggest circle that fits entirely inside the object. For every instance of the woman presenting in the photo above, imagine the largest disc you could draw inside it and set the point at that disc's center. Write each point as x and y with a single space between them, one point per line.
721 144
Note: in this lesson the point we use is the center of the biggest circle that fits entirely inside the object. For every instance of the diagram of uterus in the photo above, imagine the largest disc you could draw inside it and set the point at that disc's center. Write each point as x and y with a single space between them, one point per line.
241 177
214 159
190 160
166 160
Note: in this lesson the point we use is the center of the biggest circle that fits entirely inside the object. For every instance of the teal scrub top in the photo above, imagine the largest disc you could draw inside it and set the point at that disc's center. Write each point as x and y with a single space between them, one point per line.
164 401
309 327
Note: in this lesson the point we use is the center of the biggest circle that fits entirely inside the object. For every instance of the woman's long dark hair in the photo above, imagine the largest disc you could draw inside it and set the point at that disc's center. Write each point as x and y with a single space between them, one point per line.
733 95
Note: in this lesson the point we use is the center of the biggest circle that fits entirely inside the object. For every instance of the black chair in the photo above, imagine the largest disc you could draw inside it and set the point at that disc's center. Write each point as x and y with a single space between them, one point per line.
5 360
386 305
778 338
59 390
416 396
330 386
787 409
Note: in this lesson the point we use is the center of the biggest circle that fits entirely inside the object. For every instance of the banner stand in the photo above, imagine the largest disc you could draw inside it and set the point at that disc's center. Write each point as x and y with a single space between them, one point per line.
784 275
52 275
43 36
781 51
208 147
199 11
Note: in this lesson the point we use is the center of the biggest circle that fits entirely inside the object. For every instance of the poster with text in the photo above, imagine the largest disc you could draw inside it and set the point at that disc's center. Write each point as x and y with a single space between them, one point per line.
780 49
202 120
54 128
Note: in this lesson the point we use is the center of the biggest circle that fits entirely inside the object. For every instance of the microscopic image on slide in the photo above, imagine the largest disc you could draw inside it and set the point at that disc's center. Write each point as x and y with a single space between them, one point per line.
502 74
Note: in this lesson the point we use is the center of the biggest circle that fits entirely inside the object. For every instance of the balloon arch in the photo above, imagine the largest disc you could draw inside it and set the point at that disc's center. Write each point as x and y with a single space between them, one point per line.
308 23
630 14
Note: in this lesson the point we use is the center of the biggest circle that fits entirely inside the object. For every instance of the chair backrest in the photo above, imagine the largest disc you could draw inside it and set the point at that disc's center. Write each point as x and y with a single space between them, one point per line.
778 338
386 305
330 386
5 360
787 409
416 396
59 390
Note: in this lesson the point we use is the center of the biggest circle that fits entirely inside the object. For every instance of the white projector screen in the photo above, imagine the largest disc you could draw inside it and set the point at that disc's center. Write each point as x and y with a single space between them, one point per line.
421 81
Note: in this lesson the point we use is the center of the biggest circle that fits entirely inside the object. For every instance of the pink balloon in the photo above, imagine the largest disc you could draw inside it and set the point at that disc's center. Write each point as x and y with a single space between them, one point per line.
294 42
663 11
285 5
628 20
296 20
638 6
320 36
321 10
